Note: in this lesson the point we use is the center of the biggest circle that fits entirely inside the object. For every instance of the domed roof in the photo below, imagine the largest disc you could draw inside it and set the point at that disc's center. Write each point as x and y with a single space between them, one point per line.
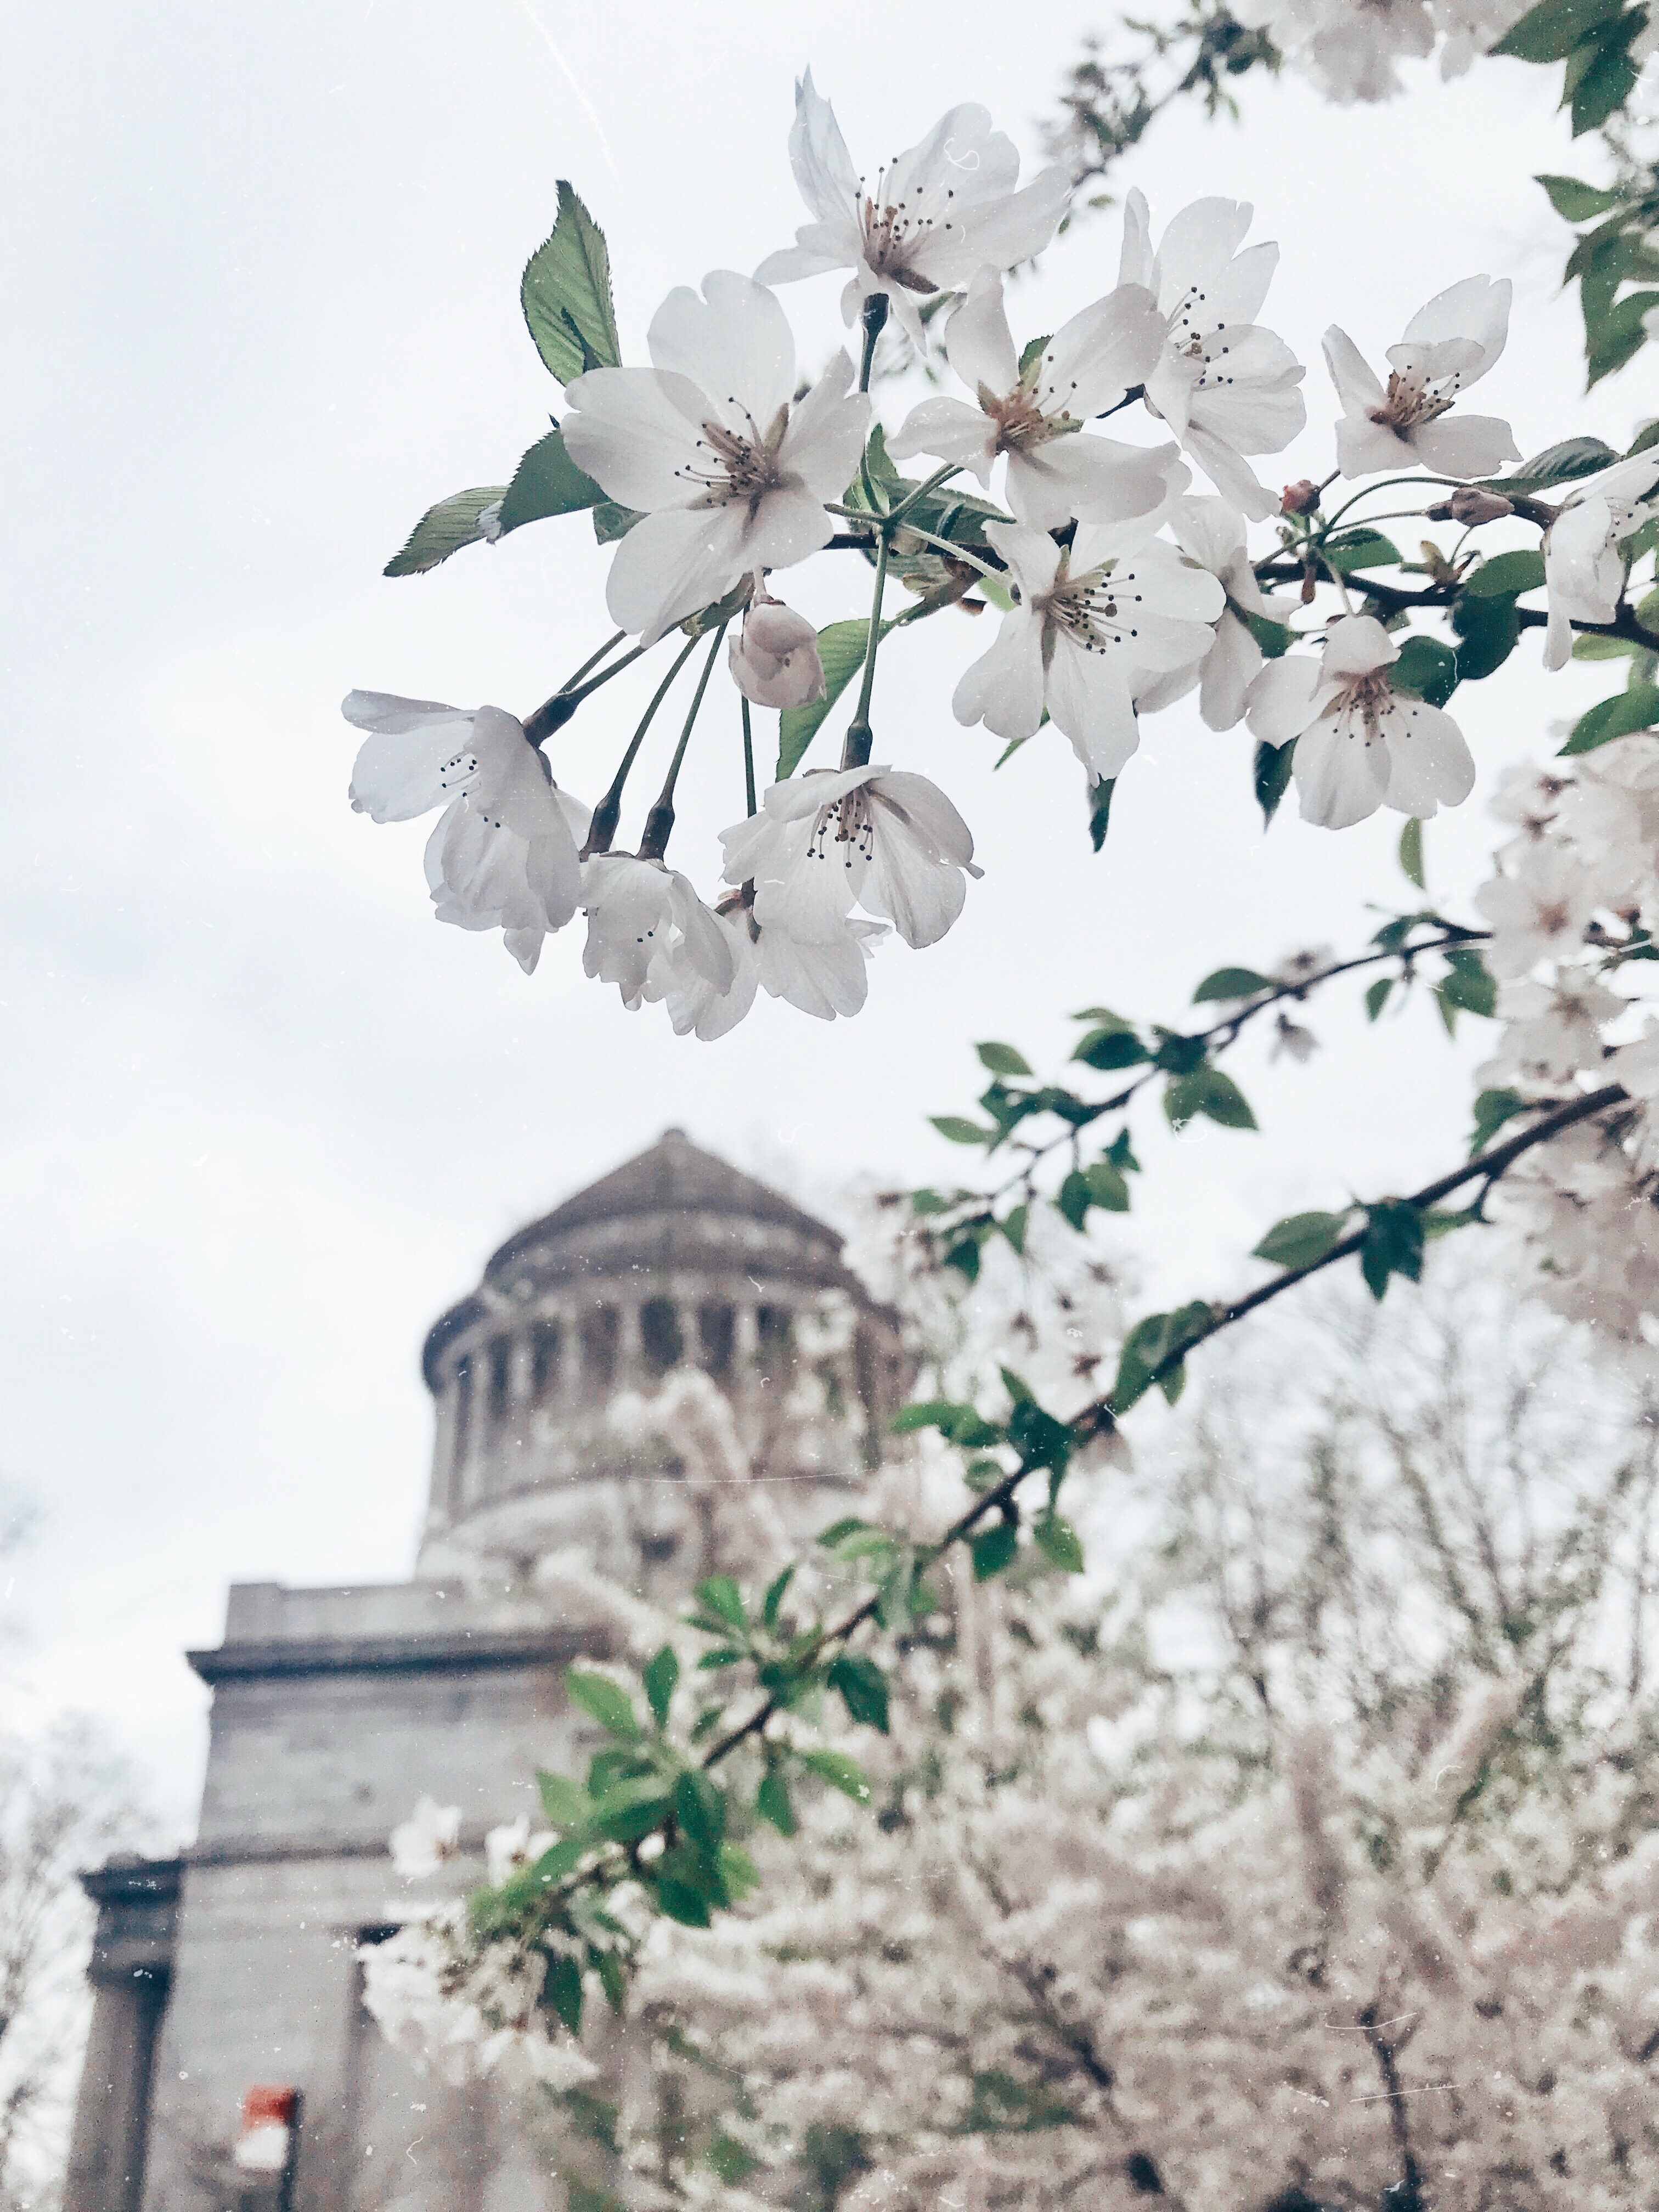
674 1205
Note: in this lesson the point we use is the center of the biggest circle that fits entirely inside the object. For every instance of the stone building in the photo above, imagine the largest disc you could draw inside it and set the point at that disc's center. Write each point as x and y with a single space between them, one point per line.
237 1964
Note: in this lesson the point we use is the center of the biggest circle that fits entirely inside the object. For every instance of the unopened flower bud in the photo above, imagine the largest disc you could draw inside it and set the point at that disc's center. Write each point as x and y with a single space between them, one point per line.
776 661
1300 498
1470 506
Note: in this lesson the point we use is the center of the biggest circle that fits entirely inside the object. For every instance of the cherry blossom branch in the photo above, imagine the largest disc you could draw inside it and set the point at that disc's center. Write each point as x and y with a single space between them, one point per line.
608 813
748 756
553 714
855 751
659 821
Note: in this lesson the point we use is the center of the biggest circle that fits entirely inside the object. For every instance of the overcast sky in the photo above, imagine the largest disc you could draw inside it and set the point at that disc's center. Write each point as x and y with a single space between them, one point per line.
263 1118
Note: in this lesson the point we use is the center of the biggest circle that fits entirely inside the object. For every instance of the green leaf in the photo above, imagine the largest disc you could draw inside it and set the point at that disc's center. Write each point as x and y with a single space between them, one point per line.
1549 31
1230 983
1038 1438
738 1870
1058 1542
1002 1060
1110 1049
1272 777
1208 1091
682 1903
661 1674
772 1802
841 649
612 520
772 1603
1274 638
1468 984
558 1859
1558 464
1619 334
1100 810
566 294
723 1599
1360 548
1013 1226
840 1772
1488 631
1505 575
1107 1187
1411 852
1030 356
1636 708
548 482
862 1688
732 2163
1017 1386
959 1131
565 1804
612 1707
1492 1109
700 1810
1606 84
1073 1198
613 1981
1393 1245
632 1809
992 1548
563 1991
1376 996
1575 201
1301 1240
1425 668
444 529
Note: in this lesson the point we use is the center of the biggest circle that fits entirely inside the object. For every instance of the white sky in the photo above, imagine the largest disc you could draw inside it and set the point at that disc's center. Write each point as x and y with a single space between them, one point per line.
263 1120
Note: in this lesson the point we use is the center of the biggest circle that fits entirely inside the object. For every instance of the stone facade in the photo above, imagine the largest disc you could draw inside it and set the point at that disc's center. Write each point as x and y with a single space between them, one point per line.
238 1965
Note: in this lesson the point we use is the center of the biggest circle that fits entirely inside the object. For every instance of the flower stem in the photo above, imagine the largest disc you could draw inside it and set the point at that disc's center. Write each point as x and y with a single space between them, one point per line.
749 760
553 714
874 318
940 476
608 813
855 753
659 821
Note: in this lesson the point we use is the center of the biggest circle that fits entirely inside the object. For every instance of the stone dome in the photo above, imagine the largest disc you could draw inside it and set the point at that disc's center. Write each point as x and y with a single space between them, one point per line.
673 1259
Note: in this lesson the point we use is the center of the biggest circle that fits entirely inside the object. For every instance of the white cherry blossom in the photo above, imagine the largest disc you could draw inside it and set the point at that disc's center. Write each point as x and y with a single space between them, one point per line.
1541 911
1551 1029
1449 345
1360 745
697 1003
730 472
420 1843
639 911
822 976
932 216
1093 624
1056 468
878 837
1225 385
1211 531
774 659
1584 570
503 854
511 1847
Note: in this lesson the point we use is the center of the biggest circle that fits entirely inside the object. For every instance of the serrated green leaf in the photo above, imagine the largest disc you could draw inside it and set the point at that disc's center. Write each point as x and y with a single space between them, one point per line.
1393 1245
840 1773
1349 550
1575 201
1108 1050
1301 1240
959 1131
1605 85
721 1595
1002 1060
992 1548
682 1903
841 649
1059 1542
1107 1187
548 482
1411 852
1073 1198
1376 996
566 294
661 1674
1230 983
1274 638
1488 631
444 529
1467 983
1209 1092
1558 463
1492 1109
610 1706
700 1810
1273 764
1030 356
1549 31
563 1991
772 1802
862 1688
631 1810
612 520
1618 333
1627 712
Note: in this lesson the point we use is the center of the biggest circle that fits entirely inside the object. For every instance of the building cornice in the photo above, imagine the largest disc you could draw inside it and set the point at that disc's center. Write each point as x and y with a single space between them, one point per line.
456 1651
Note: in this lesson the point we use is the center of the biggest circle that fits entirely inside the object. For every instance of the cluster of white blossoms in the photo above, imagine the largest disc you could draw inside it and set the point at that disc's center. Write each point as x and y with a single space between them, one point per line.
1350 48
1123 589
1572 911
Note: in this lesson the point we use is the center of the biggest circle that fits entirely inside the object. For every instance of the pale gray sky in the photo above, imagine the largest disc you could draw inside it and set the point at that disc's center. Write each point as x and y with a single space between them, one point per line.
263 1118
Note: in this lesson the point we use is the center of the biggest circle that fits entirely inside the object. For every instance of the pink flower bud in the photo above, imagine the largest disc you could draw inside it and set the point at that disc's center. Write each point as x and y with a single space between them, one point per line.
776 660
1300 498
1468 505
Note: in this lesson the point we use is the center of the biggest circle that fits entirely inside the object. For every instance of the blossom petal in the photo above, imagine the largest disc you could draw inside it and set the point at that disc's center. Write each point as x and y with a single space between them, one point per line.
978 342
399 772
1249 391
1032 556
634 436
1091 360
1229 472
1195 249
825 436
1430 765
1088 697
823 168
1096 479
1365 448
1357 386
734 343
673 563
1003 689
1233 663
1009 231
1465 444
1283 699
1136 261
951 430
1342 770
824 976
1476 308
1355 645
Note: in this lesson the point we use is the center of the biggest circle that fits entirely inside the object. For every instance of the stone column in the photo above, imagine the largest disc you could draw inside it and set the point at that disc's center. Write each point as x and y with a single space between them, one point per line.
630 1357
131 1961
442 1509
